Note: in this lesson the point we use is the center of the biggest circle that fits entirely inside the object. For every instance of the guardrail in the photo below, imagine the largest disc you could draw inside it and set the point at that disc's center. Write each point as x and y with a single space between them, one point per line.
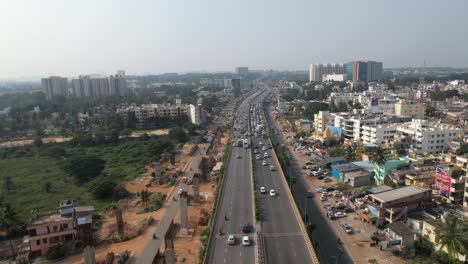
294 205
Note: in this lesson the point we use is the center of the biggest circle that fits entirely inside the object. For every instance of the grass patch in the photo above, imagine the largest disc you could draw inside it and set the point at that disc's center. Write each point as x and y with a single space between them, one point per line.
38 181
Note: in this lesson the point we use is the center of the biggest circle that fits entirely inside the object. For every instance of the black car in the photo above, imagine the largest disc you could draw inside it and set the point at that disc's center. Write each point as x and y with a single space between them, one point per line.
320 177
330 189
246 228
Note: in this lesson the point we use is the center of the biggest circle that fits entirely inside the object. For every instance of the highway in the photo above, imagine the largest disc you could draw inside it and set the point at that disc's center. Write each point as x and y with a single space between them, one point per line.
236 203
283 238
323 237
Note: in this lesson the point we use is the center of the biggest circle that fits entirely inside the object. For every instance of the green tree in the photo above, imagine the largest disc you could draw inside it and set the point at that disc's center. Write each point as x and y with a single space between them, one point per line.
350 154
379 156
83 167
37 142
178 134
105 187
9 221
314 107
454 237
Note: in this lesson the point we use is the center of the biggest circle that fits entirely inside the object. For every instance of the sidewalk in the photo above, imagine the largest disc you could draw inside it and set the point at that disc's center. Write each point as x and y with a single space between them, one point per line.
357 244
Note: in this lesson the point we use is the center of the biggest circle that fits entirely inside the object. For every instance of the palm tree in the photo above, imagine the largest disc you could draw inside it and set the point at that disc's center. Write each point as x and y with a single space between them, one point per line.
453 237
349 154
379 159
9 221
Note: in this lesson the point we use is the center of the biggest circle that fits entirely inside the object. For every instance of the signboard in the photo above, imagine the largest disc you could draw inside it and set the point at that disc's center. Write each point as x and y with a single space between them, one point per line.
442 181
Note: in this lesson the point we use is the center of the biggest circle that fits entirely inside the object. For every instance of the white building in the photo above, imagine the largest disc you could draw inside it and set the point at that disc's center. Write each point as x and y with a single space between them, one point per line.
429 137
334 77
321 121
196 114
378 134
317 71
54 86
352 125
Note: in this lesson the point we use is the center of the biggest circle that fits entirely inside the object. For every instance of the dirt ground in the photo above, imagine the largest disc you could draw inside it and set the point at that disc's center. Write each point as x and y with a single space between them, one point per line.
154 132
135 224
17 143
187 246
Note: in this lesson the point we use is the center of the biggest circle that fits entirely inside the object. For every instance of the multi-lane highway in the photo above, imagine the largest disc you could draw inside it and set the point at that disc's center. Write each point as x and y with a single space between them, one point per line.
236 204
324 239
283 237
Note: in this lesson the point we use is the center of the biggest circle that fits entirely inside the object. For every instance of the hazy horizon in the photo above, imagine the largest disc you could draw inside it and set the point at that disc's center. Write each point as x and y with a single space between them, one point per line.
153 37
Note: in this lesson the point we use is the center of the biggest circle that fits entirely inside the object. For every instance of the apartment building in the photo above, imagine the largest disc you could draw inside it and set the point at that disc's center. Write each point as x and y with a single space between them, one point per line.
54 86
321 121
318 71
429 137
408 108
378 134
352 124
462 162
87 86
450 182
197 114
48 229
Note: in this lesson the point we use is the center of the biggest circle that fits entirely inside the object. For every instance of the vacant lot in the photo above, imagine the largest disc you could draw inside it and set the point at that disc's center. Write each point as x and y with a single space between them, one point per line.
28 177
37 181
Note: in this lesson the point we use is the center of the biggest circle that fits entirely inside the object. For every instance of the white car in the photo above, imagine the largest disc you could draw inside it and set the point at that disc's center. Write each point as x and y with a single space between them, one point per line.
231 240
180 191
257 157
324 193
264 163
264 148
340 214
272 193
323 198
245 241
265 155
262 190
320 190
272 168
310 173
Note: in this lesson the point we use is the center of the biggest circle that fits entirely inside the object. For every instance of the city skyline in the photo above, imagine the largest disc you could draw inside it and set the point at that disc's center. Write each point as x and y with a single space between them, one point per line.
154 38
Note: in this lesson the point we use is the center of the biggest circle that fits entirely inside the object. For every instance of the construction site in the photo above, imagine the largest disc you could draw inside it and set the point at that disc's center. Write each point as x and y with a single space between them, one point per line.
170 208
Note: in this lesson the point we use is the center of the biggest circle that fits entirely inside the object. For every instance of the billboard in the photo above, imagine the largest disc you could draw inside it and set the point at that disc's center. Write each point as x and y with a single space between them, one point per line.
442 181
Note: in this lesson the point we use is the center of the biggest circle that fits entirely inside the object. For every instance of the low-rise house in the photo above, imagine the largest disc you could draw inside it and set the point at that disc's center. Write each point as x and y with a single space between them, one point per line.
400 235
357 178
48 229
393 204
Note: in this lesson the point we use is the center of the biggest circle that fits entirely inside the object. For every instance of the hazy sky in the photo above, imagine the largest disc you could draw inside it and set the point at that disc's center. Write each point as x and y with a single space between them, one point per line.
71 37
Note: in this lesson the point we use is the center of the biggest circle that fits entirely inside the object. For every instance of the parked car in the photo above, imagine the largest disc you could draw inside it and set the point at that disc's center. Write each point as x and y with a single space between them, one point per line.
309 173
265 155
320 190
330 189
320 177
184 179
347 228
309 194
272 168
257 157
323 198
262 190
272 193
340 214
327 180
264 163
